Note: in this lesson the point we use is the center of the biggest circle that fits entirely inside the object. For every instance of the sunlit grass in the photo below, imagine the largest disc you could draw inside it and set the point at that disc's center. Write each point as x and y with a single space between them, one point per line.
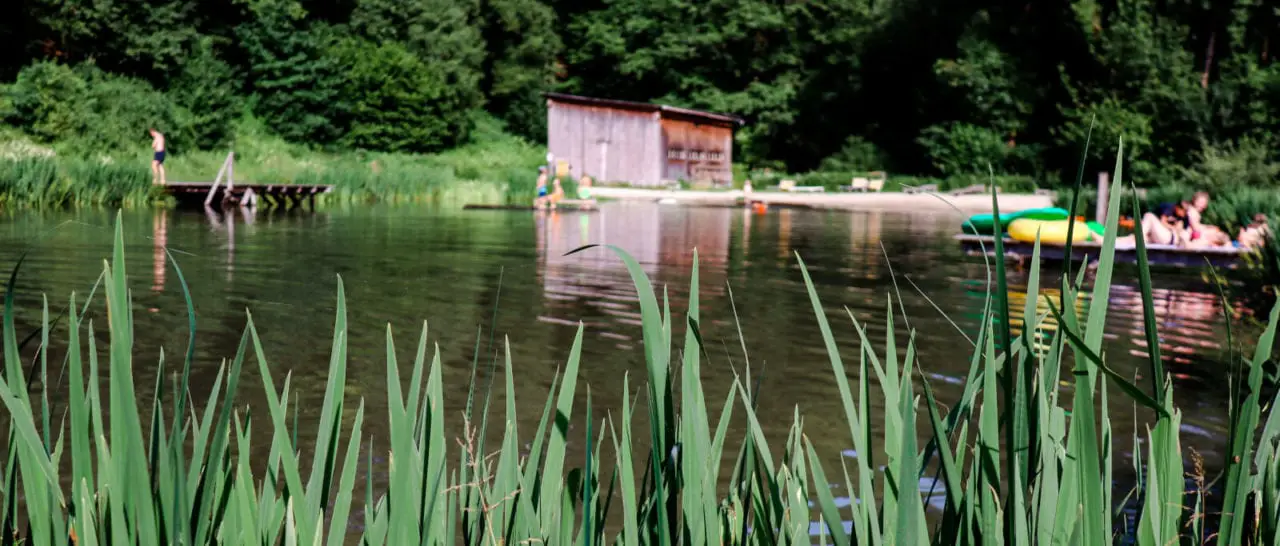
1019 459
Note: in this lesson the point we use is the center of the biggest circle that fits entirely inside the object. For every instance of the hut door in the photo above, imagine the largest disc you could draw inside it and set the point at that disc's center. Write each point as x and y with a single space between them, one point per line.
602 173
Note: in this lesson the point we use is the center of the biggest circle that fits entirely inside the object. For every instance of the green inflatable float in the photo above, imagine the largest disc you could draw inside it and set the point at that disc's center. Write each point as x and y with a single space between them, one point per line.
985 224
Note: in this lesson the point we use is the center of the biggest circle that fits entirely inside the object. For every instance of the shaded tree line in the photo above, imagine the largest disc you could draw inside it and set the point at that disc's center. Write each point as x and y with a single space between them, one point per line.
935 87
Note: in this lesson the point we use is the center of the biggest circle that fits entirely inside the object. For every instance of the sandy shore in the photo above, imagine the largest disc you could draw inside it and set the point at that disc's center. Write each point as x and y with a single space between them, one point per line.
846 201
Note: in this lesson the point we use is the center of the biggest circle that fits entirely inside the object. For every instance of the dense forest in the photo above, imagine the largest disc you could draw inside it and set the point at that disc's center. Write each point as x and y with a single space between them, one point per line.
935 87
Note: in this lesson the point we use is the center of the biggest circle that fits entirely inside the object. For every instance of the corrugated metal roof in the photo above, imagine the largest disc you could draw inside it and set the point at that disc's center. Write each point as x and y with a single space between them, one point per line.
643 107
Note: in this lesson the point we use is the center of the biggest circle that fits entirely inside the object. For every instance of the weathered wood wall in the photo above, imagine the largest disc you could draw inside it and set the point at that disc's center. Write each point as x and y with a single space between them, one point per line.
611 145
697 151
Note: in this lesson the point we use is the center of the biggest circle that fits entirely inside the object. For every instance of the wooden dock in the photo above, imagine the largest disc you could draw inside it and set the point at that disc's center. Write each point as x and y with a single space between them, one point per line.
246 194
225 191
1163 255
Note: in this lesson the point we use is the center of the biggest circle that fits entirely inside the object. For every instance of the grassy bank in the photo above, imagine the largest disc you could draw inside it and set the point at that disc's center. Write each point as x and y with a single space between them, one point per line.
1024 456
496 167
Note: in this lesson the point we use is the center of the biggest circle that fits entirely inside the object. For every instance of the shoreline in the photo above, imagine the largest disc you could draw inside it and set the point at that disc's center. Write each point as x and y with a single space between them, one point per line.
974 203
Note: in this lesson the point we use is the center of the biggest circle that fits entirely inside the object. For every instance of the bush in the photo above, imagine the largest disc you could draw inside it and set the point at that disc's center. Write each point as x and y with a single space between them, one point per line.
1249 163
1008 183
206 90
857 154
960 148
394 99
90 109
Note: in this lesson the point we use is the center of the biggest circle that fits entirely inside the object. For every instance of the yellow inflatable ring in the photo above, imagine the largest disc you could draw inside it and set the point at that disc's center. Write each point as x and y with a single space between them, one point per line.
1052 232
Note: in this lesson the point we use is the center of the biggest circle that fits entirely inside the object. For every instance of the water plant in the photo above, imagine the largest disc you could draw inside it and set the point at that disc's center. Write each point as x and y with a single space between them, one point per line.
1019 459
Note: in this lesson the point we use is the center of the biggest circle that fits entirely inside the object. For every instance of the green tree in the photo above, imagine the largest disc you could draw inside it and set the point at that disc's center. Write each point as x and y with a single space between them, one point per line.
394 99
294 80
445 36
522 44
206 89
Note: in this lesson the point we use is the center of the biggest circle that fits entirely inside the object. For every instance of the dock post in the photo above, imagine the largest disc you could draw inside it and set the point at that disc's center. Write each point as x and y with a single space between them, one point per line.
1100 212
226 164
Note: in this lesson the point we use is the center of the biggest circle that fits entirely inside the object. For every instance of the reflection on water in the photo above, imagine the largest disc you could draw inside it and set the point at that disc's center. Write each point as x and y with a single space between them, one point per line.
507 274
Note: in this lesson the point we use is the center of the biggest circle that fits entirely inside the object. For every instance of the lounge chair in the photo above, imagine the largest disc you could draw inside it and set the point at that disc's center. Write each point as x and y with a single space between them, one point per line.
923 188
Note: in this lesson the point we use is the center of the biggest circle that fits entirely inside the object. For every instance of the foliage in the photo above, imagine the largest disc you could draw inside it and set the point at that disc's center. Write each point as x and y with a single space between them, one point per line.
925 87
445 37
206 89
857 154
93 465
85 106
960 148
1246 164
49 182
395 99
522 41
296 84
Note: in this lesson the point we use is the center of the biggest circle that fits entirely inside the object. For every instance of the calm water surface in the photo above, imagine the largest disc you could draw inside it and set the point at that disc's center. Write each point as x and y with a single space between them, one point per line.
463 271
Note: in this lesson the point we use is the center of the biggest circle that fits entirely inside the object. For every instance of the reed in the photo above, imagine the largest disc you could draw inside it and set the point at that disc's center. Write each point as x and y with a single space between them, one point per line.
53 182
1020 459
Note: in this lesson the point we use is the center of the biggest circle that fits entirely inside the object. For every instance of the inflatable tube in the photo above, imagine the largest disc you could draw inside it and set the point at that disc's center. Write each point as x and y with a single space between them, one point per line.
1096 228
1052 232
985 224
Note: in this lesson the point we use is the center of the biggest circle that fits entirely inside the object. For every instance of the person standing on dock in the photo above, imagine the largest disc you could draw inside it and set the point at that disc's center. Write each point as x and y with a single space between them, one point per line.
541 186
157 161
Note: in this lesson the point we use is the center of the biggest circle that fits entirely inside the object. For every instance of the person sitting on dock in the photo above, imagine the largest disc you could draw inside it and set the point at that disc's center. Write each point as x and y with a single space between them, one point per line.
157 160
1255 234
584 187
557 193
1165 225
540 200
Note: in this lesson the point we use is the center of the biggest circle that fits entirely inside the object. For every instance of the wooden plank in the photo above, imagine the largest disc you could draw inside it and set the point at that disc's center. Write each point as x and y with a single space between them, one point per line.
1156 254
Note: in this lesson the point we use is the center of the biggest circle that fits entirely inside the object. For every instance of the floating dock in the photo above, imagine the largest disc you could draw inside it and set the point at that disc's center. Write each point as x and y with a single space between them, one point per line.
284 196
1163 255
225 191
565 205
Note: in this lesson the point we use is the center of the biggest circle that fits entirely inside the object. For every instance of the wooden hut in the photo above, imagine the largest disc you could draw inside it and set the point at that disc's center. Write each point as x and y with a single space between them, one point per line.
639 143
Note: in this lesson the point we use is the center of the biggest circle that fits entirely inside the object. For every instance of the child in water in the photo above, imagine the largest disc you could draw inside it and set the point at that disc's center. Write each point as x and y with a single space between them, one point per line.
557 193
540 200
584 187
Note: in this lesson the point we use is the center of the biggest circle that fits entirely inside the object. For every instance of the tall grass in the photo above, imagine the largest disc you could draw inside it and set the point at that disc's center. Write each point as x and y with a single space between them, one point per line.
1020 459
51 182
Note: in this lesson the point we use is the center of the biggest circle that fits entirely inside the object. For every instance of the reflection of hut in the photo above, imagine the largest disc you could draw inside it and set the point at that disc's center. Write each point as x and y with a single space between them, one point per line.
639 143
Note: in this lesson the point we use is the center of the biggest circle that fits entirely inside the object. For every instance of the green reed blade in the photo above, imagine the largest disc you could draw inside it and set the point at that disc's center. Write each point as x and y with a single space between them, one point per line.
1243 430
826 502
1106 262
1082 349
950 472
626 469
1148 307
280 436
1075 201
321 479
341 513
910 524
587 490
553 468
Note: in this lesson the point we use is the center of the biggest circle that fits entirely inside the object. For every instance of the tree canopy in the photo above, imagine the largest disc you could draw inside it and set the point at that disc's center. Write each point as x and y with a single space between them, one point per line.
932 87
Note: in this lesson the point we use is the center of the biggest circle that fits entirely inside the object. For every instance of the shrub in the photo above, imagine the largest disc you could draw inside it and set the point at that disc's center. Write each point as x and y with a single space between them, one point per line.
1248 163
961 148
394 99
90 110
206 90
857 154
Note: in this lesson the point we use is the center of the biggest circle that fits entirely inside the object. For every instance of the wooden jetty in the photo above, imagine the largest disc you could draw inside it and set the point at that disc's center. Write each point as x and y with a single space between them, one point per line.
225 191
1164 255
569 205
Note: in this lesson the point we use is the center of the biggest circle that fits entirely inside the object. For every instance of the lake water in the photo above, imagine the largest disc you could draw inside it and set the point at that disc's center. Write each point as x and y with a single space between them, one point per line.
455 269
